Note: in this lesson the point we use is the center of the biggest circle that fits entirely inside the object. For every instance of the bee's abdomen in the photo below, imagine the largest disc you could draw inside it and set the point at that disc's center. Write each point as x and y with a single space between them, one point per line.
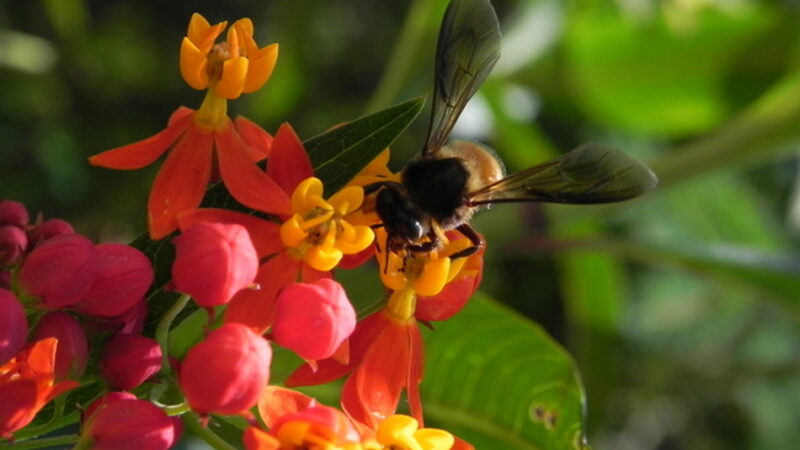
437 186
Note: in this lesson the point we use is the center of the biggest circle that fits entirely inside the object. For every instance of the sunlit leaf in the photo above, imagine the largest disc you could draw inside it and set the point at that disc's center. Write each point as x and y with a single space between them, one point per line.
498 380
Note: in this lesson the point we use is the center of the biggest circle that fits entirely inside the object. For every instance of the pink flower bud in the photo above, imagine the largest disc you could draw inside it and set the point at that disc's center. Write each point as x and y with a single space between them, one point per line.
13 213
132 321
72 352
123 277
13 242
118 422
226 372
13 326
102 401
128 360
213 262
60 271
313 319
48 229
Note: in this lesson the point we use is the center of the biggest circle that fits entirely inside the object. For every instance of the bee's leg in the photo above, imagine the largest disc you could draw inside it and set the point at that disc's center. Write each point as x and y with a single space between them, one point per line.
476 239
431 244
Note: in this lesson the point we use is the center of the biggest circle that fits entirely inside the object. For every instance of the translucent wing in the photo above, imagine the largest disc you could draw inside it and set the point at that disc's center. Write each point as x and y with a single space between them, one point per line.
592 173
468 48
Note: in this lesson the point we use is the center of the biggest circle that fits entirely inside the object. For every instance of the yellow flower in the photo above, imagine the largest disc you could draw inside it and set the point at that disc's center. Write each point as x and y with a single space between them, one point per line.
403 432
230 68
318 230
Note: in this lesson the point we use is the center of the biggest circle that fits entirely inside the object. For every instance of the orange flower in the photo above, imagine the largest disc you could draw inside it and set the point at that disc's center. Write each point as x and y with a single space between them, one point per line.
194 137
27 385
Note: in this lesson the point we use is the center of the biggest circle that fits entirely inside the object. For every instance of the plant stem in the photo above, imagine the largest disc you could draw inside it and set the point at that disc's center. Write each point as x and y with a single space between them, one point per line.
57 441
193 422
162 330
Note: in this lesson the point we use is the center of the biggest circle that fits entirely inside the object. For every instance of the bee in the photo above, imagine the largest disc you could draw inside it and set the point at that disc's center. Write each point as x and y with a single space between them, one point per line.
442 188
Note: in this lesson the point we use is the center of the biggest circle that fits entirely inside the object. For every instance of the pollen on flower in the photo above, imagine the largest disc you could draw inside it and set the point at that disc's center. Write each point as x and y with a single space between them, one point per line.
318 232
426 273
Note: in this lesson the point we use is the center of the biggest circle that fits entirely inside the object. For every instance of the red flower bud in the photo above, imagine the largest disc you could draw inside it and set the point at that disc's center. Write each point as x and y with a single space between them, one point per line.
132 321
128 360
13 242
213 262
118 422
226 372
13 213
13 326
48 229
72 352
60 271
123 277
313 319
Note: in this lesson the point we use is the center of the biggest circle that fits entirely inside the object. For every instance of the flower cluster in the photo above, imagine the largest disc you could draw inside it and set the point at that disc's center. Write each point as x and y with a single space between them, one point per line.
263 279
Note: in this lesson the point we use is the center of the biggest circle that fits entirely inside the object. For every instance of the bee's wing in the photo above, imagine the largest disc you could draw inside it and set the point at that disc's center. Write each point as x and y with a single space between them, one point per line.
592 173
468 48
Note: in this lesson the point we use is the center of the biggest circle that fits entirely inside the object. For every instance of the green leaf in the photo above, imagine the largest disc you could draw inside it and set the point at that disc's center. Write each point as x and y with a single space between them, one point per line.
339 154
498 380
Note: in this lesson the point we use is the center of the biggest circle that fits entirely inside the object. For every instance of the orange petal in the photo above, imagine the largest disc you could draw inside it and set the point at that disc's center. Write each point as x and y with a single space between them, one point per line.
415 372
41 356
234 72
258 141
261 68
373 390
181 182
193 64
202 34
144 152
178 114
256 307
264 234
276 402
244 180
288 163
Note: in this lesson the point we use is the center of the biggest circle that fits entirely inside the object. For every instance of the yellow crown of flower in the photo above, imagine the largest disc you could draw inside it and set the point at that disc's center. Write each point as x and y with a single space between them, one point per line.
230 68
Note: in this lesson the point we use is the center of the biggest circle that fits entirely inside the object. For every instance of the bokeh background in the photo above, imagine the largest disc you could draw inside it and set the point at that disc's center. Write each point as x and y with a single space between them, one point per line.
680 308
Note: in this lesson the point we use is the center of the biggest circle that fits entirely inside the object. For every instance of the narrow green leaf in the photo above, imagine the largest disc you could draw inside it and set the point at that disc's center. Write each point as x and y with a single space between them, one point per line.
498 380
339 154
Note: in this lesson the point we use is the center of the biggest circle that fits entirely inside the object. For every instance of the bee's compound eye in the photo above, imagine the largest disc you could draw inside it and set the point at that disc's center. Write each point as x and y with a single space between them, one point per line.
415 229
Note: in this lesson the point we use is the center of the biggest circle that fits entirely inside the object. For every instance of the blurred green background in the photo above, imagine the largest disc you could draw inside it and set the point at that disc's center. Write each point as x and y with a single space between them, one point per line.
680 308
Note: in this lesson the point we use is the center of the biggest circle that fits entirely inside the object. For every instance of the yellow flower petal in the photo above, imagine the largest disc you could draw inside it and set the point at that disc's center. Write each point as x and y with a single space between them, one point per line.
307 195
353 242
322 259
347 200
433 277
433 439
398 430
292 232
261 67
233 43
193 65
202 34
231 84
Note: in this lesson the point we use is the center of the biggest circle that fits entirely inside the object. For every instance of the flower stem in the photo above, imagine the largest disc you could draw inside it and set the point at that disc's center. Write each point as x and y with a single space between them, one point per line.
162 330
57 441
193 422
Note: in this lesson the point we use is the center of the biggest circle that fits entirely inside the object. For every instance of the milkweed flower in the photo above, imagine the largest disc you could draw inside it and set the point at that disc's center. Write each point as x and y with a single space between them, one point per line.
198 138
312 238
120 420
213 262
386 348
129 360
72 353
313 319
226 372
27 384
124 274
13 325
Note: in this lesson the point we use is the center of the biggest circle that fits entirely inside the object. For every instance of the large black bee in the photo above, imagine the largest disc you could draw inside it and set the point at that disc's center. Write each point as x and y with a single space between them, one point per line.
442 188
